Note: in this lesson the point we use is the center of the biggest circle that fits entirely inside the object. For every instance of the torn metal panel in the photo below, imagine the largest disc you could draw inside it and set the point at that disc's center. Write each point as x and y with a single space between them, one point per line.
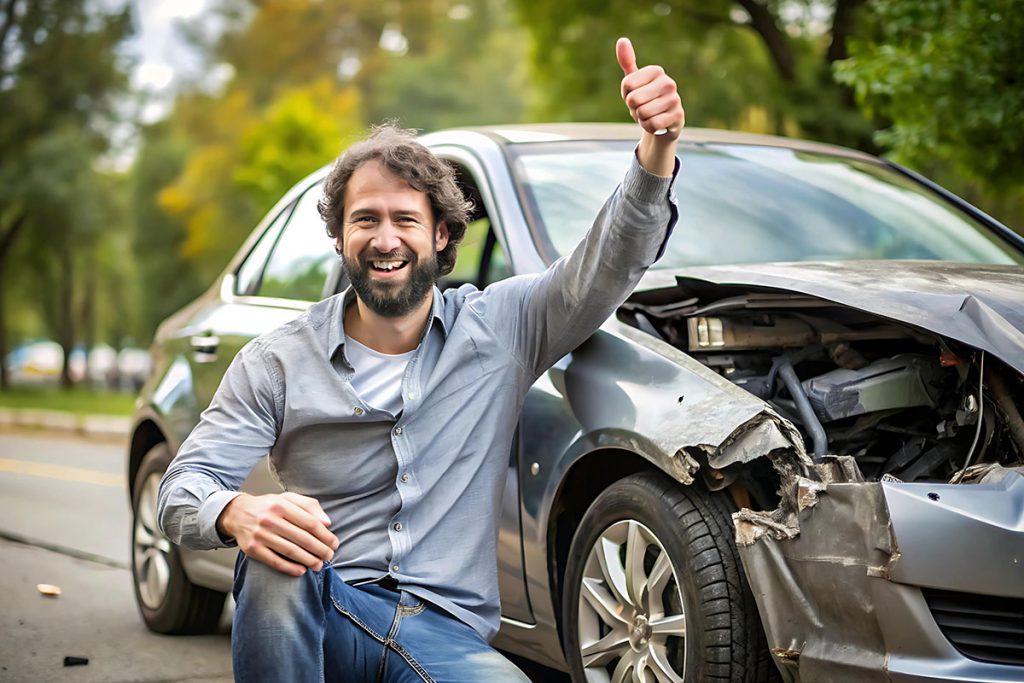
816 590
711 417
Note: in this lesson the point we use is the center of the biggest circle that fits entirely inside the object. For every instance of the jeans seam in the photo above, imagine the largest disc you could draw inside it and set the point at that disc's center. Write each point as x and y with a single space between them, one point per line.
390 639
357 621
410 660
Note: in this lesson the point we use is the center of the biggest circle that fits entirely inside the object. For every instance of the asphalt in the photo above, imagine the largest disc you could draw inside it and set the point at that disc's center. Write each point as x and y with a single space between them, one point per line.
94 619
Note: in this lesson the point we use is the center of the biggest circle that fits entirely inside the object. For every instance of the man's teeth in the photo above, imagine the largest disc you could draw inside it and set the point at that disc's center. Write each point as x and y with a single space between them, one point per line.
387 265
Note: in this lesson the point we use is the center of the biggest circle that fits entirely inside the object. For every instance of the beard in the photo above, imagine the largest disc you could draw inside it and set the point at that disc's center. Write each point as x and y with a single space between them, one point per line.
386 298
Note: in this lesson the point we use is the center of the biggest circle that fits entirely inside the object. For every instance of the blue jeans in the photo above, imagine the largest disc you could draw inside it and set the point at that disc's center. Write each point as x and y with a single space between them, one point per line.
318 628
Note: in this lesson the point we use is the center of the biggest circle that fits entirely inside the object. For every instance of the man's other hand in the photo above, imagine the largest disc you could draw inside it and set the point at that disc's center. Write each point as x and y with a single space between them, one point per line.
654 103
285 531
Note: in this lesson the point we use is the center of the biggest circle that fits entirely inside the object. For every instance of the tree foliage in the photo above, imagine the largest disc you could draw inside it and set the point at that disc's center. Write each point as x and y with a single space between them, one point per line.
949 74
60 73
761 65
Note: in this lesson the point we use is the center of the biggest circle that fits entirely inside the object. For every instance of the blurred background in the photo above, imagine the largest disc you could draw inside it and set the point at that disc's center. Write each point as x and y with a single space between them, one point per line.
140 142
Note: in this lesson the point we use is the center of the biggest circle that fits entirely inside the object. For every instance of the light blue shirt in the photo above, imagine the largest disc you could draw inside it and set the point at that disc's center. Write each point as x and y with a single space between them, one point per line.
415 497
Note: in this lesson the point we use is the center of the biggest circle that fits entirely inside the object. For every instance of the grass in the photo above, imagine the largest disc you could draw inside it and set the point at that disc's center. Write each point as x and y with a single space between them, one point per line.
75 400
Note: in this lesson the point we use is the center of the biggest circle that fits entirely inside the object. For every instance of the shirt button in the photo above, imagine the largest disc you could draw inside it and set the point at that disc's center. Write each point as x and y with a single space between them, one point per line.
398 431
394 567
358 411
412 396
405 477
398 526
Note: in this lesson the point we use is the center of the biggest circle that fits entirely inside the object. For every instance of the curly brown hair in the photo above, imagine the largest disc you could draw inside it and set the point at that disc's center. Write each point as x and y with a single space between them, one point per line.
398 150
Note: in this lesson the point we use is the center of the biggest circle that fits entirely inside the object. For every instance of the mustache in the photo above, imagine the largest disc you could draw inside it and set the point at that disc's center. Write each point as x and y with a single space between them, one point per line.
371 254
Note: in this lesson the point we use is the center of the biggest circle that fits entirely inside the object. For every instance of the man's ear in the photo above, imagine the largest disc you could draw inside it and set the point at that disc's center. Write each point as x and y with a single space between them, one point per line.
337 245
441 236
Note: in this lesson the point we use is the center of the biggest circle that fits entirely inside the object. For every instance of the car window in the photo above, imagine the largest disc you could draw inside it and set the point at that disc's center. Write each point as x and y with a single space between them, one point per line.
481 260
749 203
303 256
249 274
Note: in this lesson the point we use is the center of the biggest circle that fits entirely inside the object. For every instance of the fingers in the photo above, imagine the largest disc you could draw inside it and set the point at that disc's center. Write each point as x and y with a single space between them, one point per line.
275 561
656 106
288 532
650 94
625 55
296 527
310 505
320 528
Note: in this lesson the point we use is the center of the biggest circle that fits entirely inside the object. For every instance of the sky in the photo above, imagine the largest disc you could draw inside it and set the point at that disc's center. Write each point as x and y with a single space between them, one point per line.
162 55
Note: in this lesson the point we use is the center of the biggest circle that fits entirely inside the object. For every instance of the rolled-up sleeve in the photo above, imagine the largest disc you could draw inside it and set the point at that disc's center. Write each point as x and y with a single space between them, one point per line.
565 304
234 433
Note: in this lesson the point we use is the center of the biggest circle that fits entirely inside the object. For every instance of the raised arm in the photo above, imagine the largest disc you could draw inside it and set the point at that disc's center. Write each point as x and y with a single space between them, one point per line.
564 305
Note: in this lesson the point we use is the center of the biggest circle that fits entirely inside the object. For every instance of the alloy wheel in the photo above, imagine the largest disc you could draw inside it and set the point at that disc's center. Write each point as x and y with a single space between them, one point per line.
632 625
150 548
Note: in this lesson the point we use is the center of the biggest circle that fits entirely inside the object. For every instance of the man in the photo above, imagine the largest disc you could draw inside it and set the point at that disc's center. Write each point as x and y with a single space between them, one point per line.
388 412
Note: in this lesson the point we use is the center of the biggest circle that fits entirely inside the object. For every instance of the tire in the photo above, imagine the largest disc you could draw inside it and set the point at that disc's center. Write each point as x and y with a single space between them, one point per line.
168 601
654 590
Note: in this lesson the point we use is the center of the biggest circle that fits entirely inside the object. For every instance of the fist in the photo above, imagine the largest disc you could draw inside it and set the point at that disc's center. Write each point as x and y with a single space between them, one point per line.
650 94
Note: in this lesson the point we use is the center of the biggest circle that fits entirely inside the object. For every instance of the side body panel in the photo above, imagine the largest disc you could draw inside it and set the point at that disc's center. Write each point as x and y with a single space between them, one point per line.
621 390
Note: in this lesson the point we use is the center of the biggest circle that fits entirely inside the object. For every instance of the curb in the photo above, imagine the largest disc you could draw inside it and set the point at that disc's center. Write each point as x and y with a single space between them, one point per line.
105 426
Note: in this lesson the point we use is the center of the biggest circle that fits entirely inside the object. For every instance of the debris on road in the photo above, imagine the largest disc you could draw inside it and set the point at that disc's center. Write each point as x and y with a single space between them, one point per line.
48 589
76 661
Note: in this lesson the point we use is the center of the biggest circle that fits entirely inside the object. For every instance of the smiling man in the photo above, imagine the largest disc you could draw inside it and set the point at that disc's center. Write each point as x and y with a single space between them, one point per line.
388 412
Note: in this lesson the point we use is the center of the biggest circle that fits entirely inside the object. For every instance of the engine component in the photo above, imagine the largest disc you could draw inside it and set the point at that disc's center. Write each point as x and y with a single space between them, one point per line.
903 381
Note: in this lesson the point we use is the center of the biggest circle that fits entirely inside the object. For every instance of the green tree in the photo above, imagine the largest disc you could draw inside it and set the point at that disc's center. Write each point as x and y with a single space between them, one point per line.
251 156
165 280
59 74
469 69
762 65
949 74
73 216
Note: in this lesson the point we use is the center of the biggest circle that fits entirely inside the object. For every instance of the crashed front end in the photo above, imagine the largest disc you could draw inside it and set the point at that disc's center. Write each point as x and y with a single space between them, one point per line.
892 548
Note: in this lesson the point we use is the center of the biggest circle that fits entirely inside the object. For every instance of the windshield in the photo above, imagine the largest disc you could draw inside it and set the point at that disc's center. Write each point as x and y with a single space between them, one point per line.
747 204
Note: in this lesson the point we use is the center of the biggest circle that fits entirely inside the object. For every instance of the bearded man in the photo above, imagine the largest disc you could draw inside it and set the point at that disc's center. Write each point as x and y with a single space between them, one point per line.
388 413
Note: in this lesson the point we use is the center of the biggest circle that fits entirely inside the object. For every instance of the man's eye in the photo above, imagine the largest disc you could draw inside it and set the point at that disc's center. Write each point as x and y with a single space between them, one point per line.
365 219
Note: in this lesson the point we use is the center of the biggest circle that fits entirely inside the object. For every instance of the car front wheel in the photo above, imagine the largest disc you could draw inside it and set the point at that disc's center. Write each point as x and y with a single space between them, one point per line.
168 601
655 590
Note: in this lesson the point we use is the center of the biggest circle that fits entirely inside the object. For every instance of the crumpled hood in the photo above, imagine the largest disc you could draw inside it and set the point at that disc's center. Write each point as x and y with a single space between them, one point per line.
977 304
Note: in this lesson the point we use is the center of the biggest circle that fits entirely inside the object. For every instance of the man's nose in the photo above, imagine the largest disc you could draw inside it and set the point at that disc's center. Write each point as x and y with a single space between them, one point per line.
385 237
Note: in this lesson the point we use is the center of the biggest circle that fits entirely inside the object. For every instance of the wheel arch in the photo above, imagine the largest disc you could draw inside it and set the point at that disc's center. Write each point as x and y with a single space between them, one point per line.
145 436
582 482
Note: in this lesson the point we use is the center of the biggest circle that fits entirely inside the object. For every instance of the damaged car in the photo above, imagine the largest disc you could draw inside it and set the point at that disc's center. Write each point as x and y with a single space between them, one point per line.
796 452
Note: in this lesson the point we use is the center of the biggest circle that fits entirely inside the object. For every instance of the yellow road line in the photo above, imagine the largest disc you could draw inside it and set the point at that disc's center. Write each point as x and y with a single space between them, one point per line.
40 469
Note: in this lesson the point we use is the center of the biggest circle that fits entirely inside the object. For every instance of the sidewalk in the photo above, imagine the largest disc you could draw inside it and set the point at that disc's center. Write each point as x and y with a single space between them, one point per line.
100 426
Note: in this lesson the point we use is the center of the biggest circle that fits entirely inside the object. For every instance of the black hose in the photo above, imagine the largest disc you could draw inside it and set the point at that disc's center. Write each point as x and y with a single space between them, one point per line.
803 406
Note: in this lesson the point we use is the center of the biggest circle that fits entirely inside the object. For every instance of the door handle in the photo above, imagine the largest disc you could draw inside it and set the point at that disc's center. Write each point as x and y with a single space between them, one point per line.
204 347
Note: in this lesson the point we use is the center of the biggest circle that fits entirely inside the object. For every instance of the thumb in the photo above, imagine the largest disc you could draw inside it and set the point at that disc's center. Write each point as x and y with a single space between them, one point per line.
624 53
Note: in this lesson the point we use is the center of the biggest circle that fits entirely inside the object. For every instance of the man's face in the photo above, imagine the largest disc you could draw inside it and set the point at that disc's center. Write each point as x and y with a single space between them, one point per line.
389 245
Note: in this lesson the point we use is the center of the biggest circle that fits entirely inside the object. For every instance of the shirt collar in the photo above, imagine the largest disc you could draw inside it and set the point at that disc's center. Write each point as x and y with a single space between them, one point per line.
336 333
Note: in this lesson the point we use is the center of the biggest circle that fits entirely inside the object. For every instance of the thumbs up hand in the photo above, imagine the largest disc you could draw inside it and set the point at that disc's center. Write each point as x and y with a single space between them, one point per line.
654 103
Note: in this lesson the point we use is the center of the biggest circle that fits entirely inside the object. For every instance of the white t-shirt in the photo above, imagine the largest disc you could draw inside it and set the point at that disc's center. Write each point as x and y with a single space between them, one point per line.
378 376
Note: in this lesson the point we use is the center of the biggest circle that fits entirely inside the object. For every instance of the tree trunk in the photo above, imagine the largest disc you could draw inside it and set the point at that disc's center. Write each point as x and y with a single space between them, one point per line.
87 309
7 240
66 320
775 39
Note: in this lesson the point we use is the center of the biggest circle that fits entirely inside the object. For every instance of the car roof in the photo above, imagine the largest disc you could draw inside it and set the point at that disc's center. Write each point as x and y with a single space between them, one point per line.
564 132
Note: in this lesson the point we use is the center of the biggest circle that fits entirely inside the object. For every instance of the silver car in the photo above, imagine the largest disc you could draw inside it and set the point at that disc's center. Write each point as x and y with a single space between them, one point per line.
795 452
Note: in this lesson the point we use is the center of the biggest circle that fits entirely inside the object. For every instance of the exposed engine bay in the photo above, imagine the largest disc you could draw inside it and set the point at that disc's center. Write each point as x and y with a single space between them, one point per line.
908 404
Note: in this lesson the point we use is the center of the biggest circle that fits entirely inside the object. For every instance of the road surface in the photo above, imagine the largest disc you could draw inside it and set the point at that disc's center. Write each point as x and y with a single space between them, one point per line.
64 520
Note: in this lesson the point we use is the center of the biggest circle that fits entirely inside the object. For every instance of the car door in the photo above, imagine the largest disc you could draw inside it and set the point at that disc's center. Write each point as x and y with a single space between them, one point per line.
290 265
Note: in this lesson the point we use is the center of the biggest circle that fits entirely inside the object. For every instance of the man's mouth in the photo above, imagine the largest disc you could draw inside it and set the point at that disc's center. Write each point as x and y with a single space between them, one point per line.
387 266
